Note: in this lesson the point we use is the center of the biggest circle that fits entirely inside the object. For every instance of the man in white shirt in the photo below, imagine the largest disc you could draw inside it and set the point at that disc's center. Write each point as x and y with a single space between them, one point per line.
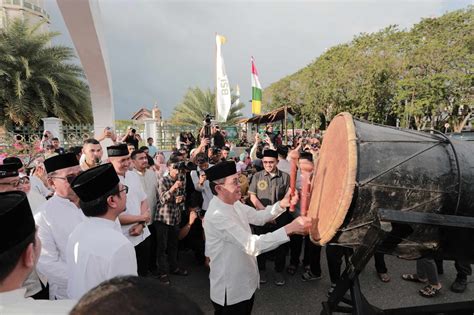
11 181
96 250
230 244
19 251
56 219
137 213
149 182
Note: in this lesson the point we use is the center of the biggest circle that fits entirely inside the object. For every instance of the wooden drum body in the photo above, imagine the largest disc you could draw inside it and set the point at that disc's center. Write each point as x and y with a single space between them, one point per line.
364 167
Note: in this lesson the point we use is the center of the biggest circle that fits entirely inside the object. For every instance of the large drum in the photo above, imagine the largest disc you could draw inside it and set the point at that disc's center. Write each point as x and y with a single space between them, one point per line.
364 167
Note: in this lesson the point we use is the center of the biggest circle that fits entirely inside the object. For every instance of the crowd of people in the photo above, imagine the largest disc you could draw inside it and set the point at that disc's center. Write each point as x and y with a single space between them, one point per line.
79 218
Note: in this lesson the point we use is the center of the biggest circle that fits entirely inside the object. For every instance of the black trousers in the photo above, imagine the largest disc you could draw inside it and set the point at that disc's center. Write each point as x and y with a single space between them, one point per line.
380 263
152 265
167 247
142 251
279 252
311 255
244 307
463 268
334 256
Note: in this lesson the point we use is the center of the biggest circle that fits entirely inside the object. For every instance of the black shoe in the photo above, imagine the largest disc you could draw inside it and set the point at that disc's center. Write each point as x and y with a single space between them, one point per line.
459 285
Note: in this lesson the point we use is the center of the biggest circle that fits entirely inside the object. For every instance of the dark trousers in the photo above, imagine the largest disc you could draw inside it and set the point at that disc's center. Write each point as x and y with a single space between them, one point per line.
281 251
380 263
244 307
334 256
167 242
195 241
296 245
463 268
152 265
311 256
142 251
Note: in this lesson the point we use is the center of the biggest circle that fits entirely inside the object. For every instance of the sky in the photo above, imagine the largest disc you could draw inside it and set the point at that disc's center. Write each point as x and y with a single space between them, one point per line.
158 49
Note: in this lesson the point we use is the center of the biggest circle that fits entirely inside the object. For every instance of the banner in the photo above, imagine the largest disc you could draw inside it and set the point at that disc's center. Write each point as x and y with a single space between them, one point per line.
223 99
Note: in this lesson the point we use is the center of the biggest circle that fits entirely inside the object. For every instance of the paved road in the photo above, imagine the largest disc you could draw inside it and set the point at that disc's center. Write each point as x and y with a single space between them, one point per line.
298 297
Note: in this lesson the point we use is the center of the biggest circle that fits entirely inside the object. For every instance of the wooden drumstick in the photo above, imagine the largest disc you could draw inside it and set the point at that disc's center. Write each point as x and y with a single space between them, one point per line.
294 155
306 168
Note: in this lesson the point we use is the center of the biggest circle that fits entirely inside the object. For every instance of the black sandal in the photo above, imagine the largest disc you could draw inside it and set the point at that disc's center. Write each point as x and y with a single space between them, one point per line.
429 291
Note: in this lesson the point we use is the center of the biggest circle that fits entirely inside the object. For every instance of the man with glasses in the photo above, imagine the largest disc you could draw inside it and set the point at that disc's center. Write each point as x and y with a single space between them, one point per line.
19 251
96 250
56 219
137 213
10 181
230 244
267 187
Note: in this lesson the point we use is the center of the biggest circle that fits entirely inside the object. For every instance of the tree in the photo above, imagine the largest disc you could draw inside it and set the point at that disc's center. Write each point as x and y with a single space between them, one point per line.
197 103
37 79
421 77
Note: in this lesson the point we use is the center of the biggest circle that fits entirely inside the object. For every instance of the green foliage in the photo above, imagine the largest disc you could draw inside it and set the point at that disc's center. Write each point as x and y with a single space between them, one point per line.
37 80
423 76
197 103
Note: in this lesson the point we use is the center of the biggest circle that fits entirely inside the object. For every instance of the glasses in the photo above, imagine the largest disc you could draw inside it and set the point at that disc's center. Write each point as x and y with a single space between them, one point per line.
16 183
68 178
125 188
269 162
234 182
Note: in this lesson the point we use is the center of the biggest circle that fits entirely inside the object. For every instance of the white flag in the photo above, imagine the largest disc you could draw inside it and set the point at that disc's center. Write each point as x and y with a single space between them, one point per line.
223 88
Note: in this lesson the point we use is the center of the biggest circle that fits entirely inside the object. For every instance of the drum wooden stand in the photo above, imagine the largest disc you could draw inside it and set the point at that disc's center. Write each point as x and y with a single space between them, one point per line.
355 263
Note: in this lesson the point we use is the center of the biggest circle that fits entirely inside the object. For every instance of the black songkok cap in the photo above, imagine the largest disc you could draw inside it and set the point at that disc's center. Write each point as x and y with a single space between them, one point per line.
10 167
282 150
306 156
221 170
58 162
95 182
117 150
270 153
16 219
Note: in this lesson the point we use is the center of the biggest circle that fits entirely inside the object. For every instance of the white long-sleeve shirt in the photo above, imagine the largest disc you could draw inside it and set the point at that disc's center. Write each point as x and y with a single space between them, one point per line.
14 302
96 252
232 248
135 196
56 219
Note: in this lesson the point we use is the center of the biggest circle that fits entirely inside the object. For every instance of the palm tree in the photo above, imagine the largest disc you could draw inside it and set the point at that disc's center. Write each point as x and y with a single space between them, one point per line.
197 103
37 79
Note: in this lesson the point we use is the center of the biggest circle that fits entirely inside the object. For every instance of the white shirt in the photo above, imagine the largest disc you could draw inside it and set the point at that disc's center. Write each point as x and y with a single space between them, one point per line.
36 200
38 186
56 220
232 248
205 189
135 197
14 302
149 182
96 252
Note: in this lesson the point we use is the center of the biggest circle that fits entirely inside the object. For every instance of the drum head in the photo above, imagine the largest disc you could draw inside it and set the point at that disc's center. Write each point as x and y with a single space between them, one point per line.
334 179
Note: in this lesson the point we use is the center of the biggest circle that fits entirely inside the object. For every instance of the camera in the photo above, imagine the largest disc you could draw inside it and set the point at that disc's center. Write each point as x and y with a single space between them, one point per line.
180 166
215 150
207 119
134 130
184 166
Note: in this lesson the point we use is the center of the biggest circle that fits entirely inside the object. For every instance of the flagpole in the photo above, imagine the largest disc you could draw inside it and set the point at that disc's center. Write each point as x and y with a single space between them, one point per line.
215 66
